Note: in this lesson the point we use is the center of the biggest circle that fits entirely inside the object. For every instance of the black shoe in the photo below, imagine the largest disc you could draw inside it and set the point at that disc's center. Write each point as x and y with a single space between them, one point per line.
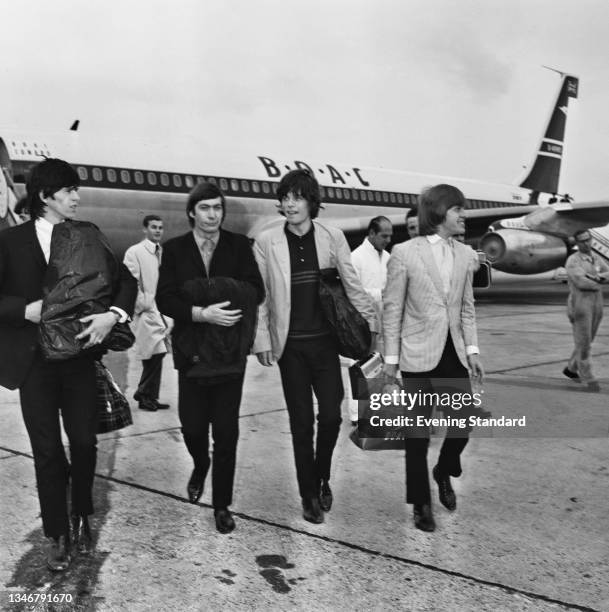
81 534
160 406
147 404
325 496
224 520
423 517
570 374
195 486
447 494
58 556
311 511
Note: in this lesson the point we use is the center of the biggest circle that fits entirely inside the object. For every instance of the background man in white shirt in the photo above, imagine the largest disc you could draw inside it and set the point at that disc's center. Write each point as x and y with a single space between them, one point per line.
370 262
430 334
143 260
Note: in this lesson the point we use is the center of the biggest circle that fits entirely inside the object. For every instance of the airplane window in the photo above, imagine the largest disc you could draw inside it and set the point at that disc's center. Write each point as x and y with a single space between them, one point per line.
392 198
82 173
151 178
385 197
347 194
189 182
212 180
322 192
164 180
223 184
138 177
265 187
355 194
245 186
234 185
177 180
111 174
400 198
125 176
362 194
97 174
274 187
339 193
377 196
330 192
255 187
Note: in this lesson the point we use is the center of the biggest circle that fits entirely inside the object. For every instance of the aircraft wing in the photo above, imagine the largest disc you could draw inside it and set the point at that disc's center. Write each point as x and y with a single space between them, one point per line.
565 218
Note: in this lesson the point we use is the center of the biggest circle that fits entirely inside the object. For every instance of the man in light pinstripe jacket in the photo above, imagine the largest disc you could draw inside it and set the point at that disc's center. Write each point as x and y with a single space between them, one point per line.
430 333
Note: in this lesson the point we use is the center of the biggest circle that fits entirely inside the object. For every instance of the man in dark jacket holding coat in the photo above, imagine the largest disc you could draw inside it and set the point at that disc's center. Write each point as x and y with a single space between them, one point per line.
206 254
46 387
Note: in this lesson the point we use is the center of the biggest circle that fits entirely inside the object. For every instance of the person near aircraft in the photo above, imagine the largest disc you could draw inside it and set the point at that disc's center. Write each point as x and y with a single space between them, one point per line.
48 388
585 274
208 257
412 224
292 329
430 334
149 326
369 260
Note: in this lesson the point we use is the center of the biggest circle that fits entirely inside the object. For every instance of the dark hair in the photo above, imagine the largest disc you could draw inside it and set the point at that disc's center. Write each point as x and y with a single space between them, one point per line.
203 191
149 218
434 202
48 177
22 206
301 183
375 224
580 232
411 213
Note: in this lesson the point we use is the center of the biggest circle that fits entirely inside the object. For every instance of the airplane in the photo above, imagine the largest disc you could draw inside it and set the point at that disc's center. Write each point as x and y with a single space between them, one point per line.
123 180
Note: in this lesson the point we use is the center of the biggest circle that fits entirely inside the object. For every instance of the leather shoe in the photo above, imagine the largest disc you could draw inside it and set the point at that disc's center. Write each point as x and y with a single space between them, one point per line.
81 534
325 496
160 406
570 374
445 489
311 511
423 517
147 404
58 555
195 487
224 520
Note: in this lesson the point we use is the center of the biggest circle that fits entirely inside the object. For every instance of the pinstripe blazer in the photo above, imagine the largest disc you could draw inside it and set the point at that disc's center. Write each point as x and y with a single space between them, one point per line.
273 257
417 314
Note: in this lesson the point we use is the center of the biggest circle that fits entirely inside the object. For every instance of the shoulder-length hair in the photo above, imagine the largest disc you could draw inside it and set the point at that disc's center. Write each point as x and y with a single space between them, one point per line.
301 183
434 202
47 178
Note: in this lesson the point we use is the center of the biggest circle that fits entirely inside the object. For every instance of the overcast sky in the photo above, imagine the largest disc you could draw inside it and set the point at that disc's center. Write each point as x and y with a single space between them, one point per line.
441 86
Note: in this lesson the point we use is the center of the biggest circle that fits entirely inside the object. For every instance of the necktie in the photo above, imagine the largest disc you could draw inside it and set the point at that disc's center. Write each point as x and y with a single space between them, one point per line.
446 263
207 249
157 252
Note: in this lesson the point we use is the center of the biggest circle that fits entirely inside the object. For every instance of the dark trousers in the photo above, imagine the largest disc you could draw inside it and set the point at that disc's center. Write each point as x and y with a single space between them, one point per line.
307 365
150 381
218 405
449 461
67 387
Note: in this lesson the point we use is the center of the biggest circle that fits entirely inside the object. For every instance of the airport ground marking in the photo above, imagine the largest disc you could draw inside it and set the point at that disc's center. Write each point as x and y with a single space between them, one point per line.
344 543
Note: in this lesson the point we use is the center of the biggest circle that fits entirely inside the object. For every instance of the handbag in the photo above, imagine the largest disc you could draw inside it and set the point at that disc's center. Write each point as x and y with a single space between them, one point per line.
112 406
366 376
349 327
120 338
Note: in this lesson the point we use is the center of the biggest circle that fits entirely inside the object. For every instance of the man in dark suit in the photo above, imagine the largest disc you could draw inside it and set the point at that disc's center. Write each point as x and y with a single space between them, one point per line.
47 387
204 253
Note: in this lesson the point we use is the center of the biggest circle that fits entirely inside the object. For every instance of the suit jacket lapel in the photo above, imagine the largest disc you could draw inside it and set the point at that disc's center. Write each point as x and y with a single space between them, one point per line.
34 246
282 253
195 254
430 264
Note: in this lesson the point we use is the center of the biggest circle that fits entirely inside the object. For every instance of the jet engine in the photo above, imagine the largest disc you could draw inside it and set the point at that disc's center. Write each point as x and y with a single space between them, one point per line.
523 252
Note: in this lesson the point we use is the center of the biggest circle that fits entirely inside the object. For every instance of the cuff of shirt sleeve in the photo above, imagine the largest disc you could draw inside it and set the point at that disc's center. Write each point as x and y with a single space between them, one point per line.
122 315
472 349
392 359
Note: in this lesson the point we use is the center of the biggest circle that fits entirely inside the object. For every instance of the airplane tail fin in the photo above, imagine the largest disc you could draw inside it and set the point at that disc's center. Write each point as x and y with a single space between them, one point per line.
544 174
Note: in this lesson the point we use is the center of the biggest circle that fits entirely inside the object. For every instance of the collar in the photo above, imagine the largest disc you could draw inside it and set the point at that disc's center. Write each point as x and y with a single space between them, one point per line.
435 238
370 247
43 225
291 234
150 246
200 239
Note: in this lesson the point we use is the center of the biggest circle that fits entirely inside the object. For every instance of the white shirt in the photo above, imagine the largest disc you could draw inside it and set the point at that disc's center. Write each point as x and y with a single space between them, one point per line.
371 267
44 231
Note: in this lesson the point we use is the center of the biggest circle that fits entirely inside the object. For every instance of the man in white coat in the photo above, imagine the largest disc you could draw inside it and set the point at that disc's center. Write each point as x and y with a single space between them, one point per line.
150 328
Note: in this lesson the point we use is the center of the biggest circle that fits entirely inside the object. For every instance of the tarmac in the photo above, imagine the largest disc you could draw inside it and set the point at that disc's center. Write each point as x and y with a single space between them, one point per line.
530 531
